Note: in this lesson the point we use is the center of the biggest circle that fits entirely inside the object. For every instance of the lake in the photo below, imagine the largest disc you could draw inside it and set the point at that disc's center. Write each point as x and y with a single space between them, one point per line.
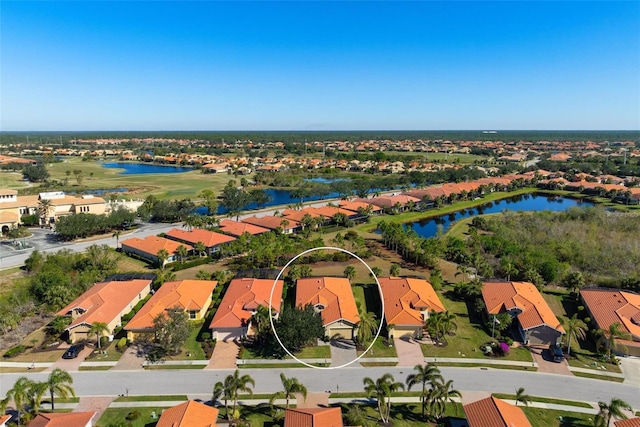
525 202
143 168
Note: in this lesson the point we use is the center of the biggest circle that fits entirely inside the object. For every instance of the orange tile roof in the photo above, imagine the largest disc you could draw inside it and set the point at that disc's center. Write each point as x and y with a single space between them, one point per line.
237 229
313 417
4 419
209 238
493 412
405 298
104 301
390 201
330 211
184 294
242 298
353 206
271 222
631 422
503 296
153 244
608 306
334 293
298 215
66 419
189 414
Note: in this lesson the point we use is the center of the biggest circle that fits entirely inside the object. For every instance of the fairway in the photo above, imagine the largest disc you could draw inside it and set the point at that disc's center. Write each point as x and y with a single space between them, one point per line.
164 185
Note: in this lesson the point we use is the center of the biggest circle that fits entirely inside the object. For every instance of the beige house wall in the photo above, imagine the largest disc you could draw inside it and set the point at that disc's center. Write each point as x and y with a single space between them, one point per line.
404 331
344 329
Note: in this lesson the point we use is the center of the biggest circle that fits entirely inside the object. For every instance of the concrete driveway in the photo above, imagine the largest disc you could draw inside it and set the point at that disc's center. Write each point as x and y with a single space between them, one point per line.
224 355
70 365
409 352
541 356
343 352
630 367
132 359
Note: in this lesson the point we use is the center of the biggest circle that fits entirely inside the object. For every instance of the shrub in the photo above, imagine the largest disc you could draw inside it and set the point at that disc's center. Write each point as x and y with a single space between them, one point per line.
104 341
14 351
122 343
30 220
205 336
133 415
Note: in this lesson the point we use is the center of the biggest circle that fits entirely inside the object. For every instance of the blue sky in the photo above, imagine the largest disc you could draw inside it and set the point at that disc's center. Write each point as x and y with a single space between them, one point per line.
428 65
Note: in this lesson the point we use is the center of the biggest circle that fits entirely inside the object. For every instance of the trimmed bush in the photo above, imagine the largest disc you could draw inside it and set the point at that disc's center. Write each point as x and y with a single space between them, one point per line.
104 341
14 351
121 344
133 415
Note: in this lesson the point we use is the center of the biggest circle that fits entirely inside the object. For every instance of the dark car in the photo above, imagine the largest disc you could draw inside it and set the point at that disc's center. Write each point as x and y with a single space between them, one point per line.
73 351
556 353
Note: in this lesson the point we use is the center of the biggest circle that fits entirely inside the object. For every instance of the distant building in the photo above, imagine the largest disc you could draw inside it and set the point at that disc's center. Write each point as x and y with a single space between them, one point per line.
493 412
313 417
189 414
66 419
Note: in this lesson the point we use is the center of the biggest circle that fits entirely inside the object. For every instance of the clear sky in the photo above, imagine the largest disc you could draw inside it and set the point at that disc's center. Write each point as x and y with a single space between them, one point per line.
144 65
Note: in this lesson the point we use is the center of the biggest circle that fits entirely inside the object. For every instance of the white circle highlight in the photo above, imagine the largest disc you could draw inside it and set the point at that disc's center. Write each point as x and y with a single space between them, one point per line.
271 303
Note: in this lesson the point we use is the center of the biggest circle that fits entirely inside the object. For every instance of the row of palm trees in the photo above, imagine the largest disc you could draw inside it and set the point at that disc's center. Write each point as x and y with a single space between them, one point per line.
27 395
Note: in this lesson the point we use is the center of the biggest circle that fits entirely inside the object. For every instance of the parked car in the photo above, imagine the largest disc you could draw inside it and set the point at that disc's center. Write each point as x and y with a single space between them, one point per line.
73 351
556 353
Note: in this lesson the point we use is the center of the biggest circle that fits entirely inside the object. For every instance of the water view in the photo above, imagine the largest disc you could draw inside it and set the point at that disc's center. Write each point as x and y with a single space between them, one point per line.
143 168
525 202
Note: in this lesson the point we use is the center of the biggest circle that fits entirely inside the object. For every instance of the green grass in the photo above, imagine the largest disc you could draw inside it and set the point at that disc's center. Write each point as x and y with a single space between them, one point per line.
164 367
487 365
114 415
168 397
112 355
598 377
379 349
374 364
548 418
545 400
314 352
94 368
279 365
192 346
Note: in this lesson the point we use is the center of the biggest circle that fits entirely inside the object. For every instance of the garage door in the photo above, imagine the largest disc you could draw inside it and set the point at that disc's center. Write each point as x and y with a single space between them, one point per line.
346 333
543 336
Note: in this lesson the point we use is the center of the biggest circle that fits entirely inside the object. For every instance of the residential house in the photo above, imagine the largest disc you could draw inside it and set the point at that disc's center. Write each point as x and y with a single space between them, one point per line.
104 302
237 229
216 168
407 305
4 419
63 419
333 298
212 241
148 248
313 417
192 296
189 414
288 226
240 302
396 203
608 306
631 422
522 300
493 412
355 206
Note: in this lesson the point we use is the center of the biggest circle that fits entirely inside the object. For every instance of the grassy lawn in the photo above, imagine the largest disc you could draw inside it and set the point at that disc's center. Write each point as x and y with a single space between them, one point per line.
163 185
315 352
192 347
259 365
380 349
18 370
35 355
165 367
114 415
545 400
598 377
94 368
168 397
112 355
548 418
469 337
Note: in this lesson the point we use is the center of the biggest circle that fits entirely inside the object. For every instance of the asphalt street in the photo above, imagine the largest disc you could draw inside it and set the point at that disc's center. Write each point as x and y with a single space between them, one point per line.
163 382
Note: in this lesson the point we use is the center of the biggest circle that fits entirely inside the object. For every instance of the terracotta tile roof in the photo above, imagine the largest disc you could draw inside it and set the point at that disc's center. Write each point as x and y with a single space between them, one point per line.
354 205
271 222
390 201
189 414
185 294
334 293
500 297
608 306
493 412
405 298
4 419
330 211
67 419
291 214
242 298
104 301
631 422
209 238
237 229
153 244
313 417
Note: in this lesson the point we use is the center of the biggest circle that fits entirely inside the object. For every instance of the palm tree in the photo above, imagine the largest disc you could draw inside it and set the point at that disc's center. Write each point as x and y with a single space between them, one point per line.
377 271
261 318
224 390
45 206
610 411
394 270
182 252
350 272
443 393
382 389
192 221
508 269
37 390
116 234
239 384
366 327
98 328
523 398
200 248
611 335
291 387
575 328
19 394
59 383
427 374
163 256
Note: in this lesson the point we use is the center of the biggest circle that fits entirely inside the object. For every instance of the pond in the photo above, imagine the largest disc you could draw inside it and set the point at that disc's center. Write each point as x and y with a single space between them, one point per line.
143 168
525 202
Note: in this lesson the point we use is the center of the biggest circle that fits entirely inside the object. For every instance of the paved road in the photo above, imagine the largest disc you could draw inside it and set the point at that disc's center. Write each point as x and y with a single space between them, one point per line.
110 383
